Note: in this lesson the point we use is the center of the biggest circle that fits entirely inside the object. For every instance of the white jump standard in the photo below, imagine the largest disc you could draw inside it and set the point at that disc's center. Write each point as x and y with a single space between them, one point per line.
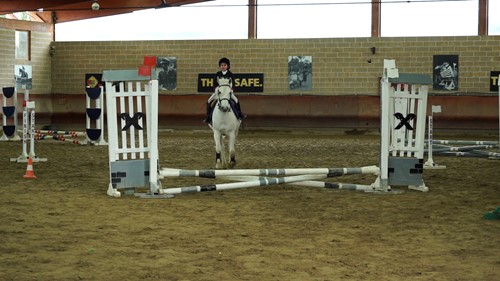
402 128
28 133
95 116
132 111
9 114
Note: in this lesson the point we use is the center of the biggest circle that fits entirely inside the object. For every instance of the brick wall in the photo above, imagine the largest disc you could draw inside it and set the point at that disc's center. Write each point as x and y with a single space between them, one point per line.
339 64
340 71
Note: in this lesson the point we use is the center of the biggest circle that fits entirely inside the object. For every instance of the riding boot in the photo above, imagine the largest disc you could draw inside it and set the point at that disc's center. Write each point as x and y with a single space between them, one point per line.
208 119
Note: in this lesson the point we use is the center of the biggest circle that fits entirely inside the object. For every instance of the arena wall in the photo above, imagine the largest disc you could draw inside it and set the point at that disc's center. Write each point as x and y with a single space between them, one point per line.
345 85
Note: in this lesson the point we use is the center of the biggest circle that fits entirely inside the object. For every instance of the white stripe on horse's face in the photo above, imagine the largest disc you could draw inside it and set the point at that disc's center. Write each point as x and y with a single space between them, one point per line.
223 97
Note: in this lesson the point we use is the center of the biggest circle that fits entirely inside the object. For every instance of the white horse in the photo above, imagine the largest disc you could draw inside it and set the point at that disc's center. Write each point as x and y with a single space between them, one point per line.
224 124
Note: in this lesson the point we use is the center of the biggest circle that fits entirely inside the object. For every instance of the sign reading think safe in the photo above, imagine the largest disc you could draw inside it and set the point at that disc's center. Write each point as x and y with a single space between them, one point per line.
243 83
494 81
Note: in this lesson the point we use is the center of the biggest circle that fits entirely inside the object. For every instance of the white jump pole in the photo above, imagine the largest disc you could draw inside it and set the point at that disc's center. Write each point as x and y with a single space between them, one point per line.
293 175
465 142
254 183
329 172
310 183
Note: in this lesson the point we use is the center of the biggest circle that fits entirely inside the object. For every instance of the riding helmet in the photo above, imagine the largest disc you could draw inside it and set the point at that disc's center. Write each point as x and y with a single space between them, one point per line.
226 61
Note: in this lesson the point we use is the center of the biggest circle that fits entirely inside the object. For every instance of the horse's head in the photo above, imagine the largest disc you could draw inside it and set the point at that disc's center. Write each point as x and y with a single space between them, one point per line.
223 81
223 98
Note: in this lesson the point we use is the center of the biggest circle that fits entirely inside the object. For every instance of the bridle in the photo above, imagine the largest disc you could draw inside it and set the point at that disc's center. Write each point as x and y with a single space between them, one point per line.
219 103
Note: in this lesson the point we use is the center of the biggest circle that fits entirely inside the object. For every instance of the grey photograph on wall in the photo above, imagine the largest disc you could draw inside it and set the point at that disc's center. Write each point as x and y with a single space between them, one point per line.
166 68
446 72
300 72
23 75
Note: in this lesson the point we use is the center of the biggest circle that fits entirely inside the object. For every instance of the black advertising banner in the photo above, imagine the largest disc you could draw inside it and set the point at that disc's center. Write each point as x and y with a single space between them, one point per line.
243 83
494 81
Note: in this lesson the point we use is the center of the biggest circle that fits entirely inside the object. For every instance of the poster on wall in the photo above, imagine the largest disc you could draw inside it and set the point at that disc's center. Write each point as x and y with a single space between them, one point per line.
446 72
300 72
494 81
23 75
166 69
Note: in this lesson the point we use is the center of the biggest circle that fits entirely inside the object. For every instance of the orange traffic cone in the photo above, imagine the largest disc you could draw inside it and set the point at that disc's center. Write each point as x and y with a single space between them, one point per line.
30 174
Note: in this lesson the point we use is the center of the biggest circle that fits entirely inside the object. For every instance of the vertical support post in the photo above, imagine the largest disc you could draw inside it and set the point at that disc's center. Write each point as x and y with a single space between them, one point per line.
28 134
430 164
390 70
154 183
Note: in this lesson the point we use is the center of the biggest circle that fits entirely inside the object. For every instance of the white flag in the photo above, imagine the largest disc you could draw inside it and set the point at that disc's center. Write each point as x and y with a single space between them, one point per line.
436 109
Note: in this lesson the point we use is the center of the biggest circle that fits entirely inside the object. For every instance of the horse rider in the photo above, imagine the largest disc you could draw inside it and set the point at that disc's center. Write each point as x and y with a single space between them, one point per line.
224 77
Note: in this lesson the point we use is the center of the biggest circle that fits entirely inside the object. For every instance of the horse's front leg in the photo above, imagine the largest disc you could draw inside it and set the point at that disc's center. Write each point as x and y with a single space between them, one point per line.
232 151
218 149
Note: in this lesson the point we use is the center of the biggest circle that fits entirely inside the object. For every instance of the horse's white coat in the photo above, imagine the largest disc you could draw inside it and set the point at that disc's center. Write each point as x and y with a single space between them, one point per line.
224 124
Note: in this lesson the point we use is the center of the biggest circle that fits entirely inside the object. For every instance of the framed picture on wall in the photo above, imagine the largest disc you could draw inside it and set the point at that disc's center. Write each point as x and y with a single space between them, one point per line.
300 72
446 72
166 68
23 75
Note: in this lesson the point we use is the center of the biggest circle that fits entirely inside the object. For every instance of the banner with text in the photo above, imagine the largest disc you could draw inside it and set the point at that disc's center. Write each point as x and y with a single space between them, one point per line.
243 83
494 80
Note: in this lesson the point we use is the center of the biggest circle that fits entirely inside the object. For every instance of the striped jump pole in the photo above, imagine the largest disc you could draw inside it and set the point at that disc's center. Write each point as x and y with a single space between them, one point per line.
439 149
60 138
263 181
465 142
293 175
73 134
310 183
328 172
473 153
490 155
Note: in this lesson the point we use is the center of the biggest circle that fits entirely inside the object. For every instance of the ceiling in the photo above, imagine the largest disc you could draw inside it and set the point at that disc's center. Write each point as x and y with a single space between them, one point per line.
58 11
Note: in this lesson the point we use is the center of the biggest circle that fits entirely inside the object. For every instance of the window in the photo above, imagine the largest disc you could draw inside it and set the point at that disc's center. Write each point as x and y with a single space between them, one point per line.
429 18
222 19
320 19
22 45
494 20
